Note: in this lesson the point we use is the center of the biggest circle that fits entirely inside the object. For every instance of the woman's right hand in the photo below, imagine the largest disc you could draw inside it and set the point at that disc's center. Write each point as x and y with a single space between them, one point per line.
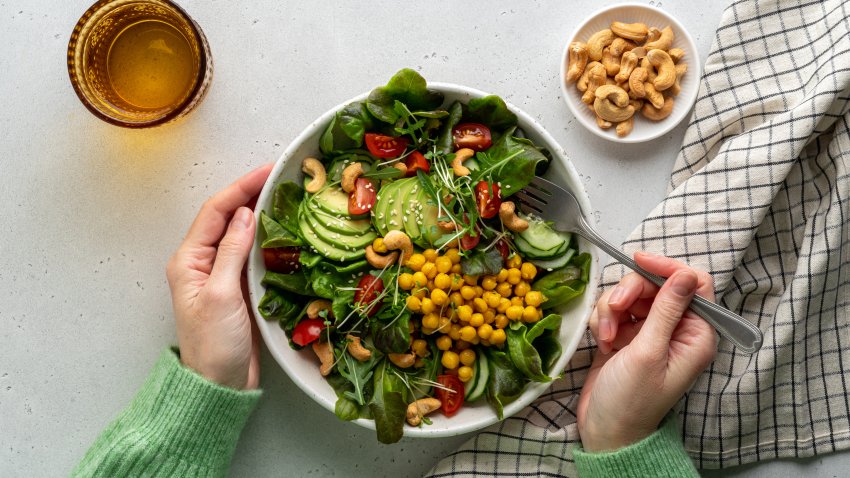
651 350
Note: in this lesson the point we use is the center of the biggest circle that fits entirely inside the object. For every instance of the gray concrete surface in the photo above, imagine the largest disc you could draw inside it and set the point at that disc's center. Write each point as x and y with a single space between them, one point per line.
91 212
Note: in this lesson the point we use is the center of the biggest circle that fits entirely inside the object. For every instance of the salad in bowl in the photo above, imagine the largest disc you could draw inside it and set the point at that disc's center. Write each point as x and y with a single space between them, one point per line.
401 272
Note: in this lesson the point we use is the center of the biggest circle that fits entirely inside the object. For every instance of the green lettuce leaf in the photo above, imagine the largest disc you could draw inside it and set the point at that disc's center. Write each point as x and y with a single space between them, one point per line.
276 235
388 404
521 350
490 111
287 198
505 384
512 162
406 86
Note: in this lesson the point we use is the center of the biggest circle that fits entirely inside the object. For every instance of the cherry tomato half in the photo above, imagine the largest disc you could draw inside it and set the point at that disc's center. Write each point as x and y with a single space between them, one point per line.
474 136
362 199
468 241
307 331
489 199
368 290
383 146
282 259
414 161
503 248
451 400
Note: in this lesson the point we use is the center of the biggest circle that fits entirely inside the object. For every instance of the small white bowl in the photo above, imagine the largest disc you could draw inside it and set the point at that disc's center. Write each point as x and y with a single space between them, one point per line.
644 129
302 366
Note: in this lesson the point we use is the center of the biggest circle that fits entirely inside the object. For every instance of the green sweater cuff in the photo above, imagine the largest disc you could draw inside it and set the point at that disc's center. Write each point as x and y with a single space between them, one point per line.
179 423
661 454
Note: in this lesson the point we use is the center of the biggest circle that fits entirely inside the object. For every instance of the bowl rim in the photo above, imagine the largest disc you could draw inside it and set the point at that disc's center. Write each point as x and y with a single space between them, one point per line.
695 67
534 389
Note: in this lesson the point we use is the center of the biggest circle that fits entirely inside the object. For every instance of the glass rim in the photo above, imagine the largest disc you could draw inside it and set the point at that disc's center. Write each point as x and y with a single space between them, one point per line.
74 55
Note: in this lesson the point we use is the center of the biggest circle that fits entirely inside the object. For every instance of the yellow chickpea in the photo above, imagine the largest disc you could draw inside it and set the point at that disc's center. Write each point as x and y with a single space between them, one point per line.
454 332
476 320
442 281
517 301
534 298
420 347
444 325
479 304
467 292
450 360
439 297
485 331
427 306
467 357
502 276
427 331
419 279
457 281
453 255
488 283
420 293
431 320
503 305
405 281
416 261
464 373
479 291
504 289
475 339
464 313
471 280
460 345
514 312
430 255
521 289
378 245
492 299
429 269
514 261
497 337
456 299
413 304
444 343
444 264
501 321
468 333
457 269
529 314
489 316
528 271
514 276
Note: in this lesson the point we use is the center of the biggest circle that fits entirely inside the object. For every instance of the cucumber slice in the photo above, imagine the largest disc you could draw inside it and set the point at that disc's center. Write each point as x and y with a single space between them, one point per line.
540 236
482 376
469 386
556 263
532 252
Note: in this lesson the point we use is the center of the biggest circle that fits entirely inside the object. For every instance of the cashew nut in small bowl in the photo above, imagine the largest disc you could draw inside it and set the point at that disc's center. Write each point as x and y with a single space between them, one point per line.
379 260
421 408
316 170
507 213
461 155
653 96
657 114
577 61
612 104
628 62
350 175
318 305
402 360
399 241
325 352
636 83
597 78
620 46
582 82
610 62
357 350
664 67
604 124
597 42
652 34
664 41
676 54
625 127
631 31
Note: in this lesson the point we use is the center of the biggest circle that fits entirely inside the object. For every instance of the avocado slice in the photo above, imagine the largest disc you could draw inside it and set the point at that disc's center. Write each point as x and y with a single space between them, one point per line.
428 218
379 212
394 216
338 239
408 199
326 248
342 225
332 200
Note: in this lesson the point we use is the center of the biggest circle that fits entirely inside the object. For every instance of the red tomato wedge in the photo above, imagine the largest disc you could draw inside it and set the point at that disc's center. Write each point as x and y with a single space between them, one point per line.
489 199
307 331
474 136
451 400
383 146
366 296
503 248
468 241
363 198
282 259
414 161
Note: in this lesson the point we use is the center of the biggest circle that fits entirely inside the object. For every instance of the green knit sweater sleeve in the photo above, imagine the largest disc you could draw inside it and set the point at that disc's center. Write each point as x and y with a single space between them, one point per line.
179 424
661 454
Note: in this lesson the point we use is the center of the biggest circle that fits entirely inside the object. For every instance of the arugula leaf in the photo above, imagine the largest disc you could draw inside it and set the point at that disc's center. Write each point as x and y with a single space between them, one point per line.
295 282
345 408
388 405
491 111
505 384
357 373
287 198
445 142
275 234
510 161
524 356
406 86
479 262
390 330
383 173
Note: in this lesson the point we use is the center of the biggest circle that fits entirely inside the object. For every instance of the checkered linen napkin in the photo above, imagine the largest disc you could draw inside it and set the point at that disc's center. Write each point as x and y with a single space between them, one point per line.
760 197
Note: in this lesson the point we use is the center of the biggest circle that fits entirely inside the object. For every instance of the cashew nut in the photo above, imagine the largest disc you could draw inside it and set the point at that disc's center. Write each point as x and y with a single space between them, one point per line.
631 31
350 175
399 241
611 63
639 52
420 408
627 64
578 60
657 114
596 79
581 84
636 82
625 127
447 226
597 42
602 123
653 96
461 155
611 112
676 54
637 104
318 305
617 95
663 42
620 46
650 70
402 360
652 34
681 69
665 68
325 353
316 170
507 213
379 261
357 350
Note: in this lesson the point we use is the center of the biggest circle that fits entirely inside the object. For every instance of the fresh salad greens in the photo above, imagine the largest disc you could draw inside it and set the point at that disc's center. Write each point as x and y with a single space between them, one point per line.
400 261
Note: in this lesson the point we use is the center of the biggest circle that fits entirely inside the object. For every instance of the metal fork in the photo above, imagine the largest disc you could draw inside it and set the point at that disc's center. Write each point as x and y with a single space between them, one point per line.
540 193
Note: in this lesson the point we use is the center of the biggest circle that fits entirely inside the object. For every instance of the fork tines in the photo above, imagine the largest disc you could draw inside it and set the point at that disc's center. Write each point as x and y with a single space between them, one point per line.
535 196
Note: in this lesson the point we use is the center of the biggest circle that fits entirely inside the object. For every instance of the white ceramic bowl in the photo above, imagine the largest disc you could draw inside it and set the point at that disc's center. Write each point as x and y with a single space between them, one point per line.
644 129
302 366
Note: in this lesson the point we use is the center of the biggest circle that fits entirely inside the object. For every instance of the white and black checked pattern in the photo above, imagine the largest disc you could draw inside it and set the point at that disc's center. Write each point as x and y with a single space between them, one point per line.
760 197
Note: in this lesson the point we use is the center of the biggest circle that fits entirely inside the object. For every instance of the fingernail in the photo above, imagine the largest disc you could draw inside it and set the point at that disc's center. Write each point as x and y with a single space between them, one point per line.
616 295
683 284
242 218
605 331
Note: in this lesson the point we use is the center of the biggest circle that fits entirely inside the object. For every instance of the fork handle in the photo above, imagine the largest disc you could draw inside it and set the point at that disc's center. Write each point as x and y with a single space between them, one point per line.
732 326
